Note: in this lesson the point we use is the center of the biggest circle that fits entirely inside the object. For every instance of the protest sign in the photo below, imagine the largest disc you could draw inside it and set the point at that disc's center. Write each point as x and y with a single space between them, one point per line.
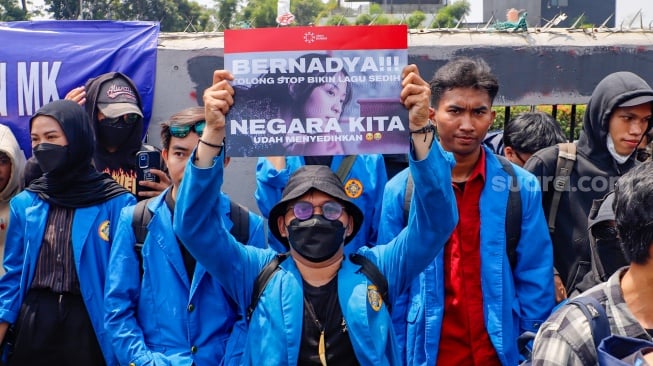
41 61
317 91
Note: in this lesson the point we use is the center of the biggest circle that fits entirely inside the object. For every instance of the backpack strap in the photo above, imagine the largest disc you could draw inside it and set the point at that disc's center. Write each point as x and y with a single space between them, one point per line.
262 280
408 195
371 271
513 212
345 167
597 318
140 219
564 166
142 216
239 215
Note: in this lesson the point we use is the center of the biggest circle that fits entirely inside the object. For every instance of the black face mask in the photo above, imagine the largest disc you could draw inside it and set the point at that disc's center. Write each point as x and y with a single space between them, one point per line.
50 156
114 135
316 239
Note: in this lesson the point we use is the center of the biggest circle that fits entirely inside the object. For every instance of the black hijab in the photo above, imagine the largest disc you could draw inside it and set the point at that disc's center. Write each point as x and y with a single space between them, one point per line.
77 183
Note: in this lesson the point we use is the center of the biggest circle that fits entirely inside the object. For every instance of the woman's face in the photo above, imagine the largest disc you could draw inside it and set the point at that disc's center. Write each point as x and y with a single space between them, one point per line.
327 100
47 129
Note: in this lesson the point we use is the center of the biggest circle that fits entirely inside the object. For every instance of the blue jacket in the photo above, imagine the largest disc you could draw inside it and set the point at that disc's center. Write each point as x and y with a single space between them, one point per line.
275 330
515 301
368 175
92 235
159 317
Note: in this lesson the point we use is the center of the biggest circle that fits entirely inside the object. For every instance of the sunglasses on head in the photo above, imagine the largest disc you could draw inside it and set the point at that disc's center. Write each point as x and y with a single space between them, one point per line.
129 118
303 210
183 130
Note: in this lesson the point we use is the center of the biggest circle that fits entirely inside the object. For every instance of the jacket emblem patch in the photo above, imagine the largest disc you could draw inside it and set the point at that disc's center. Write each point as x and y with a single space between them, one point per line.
374 298
103 230
353 188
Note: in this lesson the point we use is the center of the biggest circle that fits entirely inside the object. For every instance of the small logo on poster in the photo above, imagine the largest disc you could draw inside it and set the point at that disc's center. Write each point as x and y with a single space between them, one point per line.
310 37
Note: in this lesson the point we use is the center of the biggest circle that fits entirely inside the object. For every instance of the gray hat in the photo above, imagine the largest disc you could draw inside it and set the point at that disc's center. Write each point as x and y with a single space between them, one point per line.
117 98
604 211
306 178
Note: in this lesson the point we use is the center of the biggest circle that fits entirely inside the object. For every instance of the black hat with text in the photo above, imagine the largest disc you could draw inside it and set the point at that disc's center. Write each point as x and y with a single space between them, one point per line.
117 98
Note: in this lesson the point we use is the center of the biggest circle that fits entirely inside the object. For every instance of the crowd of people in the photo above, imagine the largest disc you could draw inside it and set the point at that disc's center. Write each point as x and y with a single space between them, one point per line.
468 256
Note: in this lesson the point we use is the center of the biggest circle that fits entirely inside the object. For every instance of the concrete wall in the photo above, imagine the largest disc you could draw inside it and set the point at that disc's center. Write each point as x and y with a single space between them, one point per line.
553 67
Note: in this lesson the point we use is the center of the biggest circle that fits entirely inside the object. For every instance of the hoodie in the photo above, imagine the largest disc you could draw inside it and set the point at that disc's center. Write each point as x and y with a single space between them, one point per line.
14 182
121 164
593 176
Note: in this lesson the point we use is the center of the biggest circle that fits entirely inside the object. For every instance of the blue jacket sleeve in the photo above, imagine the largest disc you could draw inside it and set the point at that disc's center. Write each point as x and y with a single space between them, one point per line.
392 220
433 216
269 185
197 210
14 258
122 290
256 231
534 269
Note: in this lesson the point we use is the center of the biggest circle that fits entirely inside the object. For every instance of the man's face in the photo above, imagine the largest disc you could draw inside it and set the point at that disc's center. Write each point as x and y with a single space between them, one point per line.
627 126
177 154
462 118
5 170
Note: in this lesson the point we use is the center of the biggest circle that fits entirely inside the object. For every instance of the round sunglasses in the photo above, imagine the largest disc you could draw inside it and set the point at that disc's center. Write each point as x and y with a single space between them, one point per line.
303 210
182 131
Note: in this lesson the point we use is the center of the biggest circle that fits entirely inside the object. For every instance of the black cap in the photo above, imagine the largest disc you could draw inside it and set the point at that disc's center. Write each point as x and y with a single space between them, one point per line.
305 179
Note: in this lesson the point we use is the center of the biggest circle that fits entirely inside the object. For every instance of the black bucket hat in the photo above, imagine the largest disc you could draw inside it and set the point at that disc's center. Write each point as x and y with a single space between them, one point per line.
306 178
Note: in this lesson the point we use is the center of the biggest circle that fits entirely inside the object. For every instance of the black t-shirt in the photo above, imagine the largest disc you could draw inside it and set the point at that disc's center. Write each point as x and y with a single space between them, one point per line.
322 303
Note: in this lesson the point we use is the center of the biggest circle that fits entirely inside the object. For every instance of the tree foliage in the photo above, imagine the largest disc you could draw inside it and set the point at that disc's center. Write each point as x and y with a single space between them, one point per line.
263 13
448 16
306 11
563 116
227 14
10 11
337 19
173 15
415 19
260 13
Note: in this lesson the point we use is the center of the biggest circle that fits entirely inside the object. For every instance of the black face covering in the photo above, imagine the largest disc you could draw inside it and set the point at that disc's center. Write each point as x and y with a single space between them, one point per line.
70 179
114 136
50 157
316 239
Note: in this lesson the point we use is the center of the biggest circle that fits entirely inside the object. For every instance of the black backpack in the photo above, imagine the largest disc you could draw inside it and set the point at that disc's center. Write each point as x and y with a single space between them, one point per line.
513 212
238 214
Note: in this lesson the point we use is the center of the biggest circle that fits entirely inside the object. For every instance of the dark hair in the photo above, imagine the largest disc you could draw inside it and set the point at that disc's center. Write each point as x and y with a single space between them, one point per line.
184 117
282 94
532 131
463 72
633 214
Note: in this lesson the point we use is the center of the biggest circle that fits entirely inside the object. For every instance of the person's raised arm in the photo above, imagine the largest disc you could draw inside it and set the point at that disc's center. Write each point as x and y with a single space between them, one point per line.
217 100
415 96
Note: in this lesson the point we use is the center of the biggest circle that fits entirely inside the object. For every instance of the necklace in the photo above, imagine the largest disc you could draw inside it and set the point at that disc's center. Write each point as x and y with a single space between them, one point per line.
321 348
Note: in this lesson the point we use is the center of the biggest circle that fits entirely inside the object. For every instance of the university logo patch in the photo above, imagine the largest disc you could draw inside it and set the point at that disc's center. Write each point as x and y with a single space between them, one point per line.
374 297
354 188
103 230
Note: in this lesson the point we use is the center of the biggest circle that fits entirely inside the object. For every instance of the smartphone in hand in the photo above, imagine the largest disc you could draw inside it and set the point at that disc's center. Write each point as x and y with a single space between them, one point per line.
146 160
